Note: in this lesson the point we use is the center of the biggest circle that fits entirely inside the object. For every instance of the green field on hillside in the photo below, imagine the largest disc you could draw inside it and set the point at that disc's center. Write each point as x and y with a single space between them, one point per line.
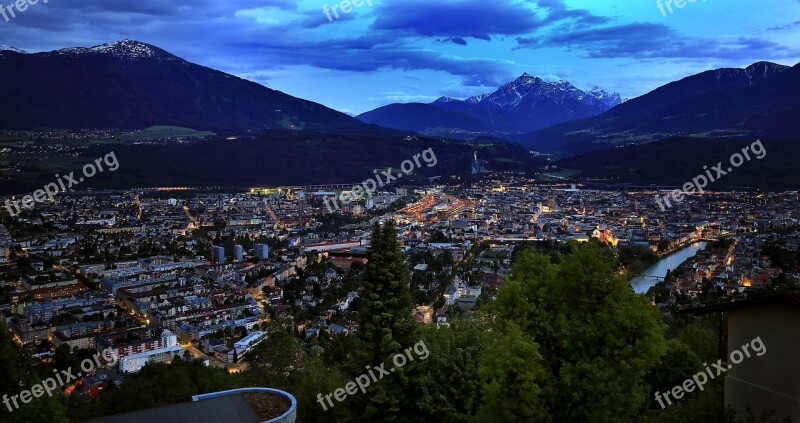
163 131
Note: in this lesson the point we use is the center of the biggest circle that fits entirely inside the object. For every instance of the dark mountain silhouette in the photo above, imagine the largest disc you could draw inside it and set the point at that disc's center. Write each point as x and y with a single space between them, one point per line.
132 85
525 104
759 100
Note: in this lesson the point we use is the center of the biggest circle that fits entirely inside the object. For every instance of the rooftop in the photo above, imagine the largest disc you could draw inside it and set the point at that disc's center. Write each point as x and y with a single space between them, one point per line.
247 405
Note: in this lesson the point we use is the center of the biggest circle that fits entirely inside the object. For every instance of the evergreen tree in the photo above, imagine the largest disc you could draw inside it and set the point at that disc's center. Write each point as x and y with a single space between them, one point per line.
385 328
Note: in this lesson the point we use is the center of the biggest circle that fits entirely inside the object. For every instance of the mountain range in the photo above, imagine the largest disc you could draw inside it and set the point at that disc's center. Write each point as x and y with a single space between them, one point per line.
525 104
668 134
281 139
759 100
132 85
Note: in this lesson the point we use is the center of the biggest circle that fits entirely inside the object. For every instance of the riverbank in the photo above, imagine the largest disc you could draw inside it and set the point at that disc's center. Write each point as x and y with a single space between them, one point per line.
644 281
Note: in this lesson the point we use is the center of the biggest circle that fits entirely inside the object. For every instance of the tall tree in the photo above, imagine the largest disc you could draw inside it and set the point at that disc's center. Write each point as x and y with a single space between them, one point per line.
385 328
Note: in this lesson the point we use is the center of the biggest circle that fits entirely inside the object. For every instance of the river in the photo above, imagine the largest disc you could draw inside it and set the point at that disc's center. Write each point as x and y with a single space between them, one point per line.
671 262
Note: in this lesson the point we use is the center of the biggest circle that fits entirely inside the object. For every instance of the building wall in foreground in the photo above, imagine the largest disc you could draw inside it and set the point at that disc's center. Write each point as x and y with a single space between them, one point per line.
772 381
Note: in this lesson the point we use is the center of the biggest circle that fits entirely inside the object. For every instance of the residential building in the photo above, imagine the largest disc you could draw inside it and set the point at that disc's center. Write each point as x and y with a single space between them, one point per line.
218 255
262 251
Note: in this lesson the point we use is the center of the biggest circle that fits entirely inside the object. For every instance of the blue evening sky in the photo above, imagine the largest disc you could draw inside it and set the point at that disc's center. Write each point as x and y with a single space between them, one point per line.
418 50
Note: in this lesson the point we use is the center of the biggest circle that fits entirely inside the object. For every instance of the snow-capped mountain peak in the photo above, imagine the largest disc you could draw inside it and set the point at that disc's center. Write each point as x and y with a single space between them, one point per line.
445 99
6 47
760 71
476 99
534 98
527 79
604 97
126 47
123 49
524 93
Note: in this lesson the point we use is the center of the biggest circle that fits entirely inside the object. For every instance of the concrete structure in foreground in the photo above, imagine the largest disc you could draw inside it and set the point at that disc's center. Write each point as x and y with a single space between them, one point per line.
768 383
288 416
244 405
771 382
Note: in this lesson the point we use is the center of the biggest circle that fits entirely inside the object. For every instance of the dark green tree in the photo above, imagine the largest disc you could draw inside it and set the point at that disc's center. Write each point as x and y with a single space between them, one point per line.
450 387
312 380
385 328
272 361
597 338
19 373
157 385
63 358
516 377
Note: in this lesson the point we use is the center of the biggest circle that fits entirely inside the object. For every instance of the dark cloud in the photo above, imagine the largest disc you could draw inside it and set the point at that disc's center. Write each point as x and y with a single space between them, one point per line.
213 33
458 19
557 11
374 53
646 40
785 27
454 40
